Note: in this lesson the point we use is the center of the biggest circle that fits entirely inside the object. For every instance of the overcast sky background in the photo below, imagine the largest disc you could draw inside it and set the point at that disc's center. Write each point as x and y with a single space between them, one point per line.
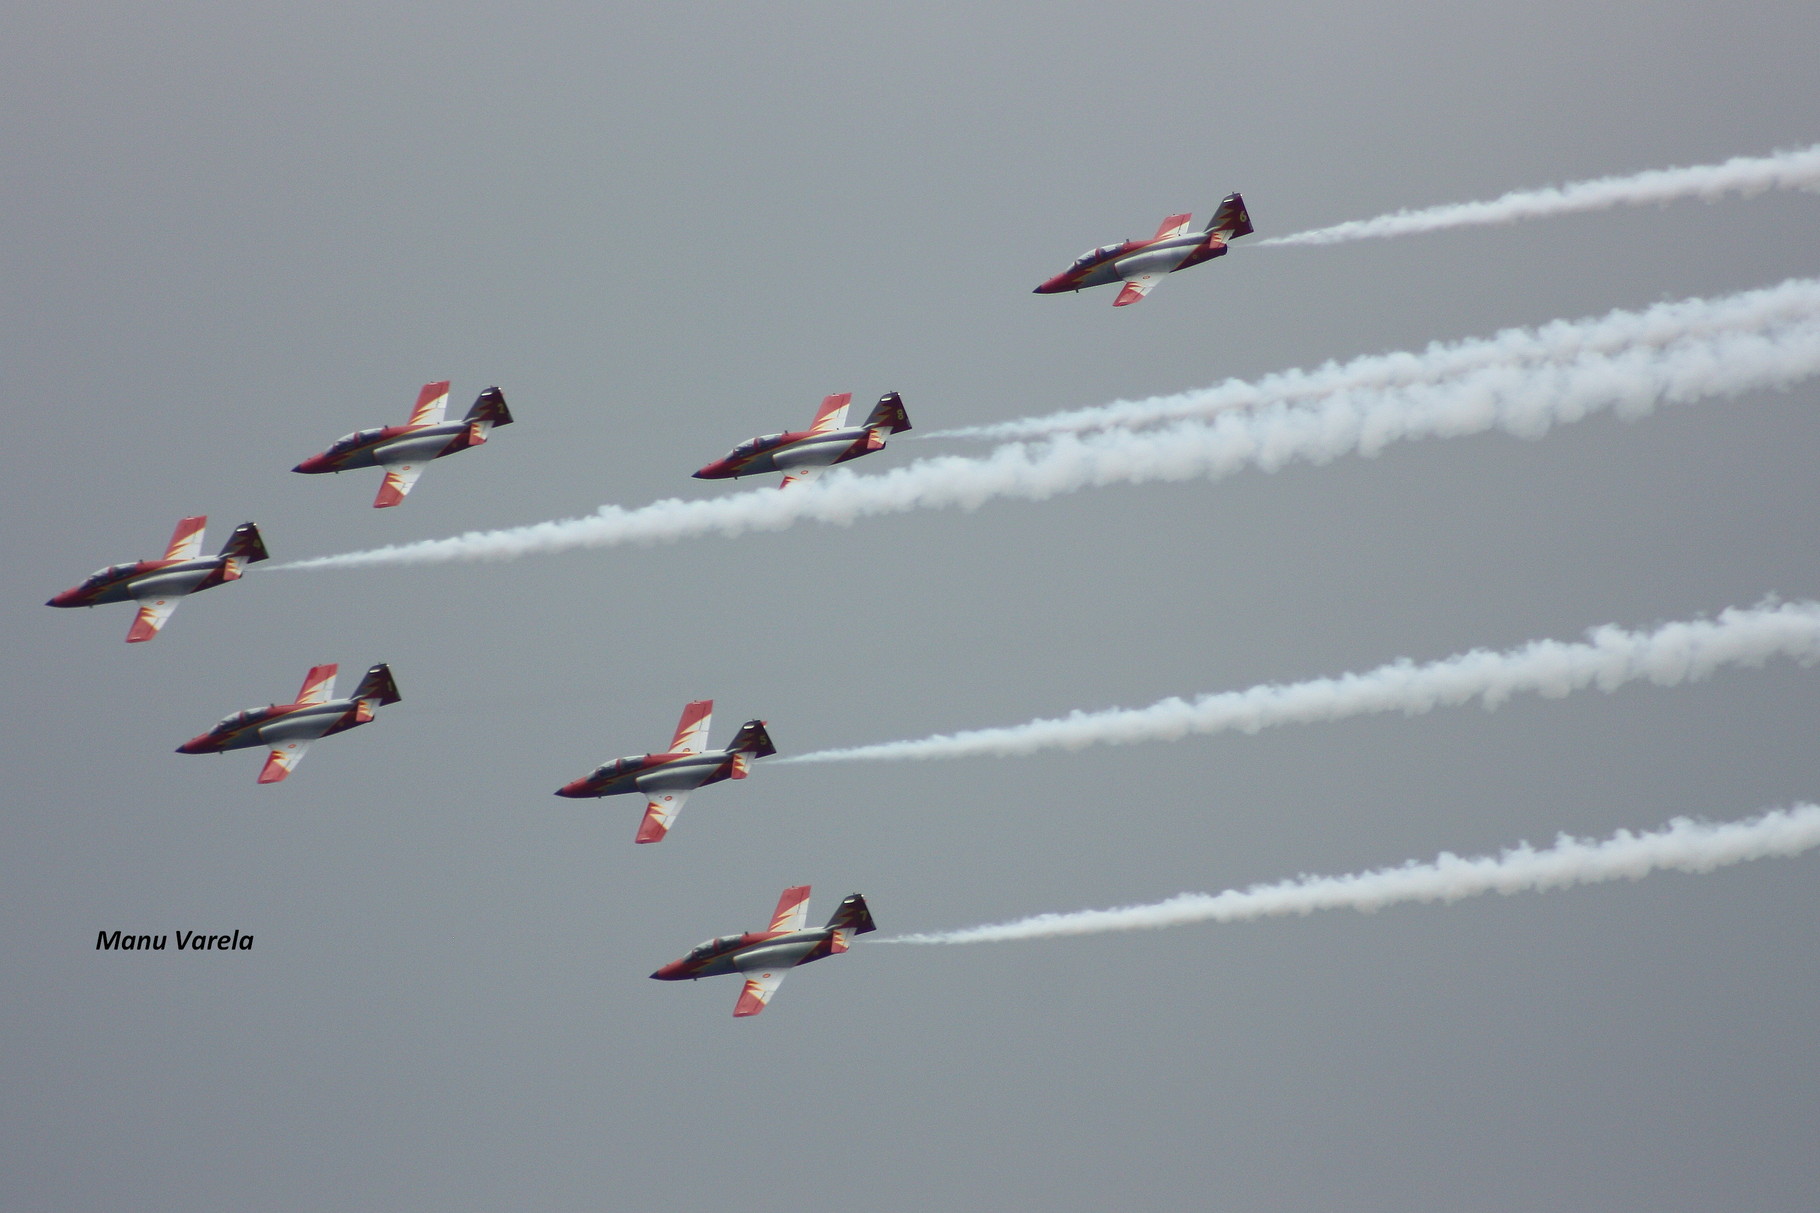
232 233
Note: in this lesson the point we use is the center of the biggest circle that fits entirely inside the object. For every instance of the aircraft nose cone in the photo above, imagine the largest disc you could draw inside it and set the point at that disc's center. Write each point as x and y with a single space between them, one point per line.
575 787
315 463
62 598
713 471
196 745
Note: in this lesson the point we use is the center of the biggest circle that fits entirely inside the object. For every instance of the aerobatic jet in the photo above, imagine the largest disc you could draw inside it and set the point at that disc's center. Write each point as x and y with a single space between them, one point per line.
405 450
289 728
1140 263
802 454
158 585
764 957
667 779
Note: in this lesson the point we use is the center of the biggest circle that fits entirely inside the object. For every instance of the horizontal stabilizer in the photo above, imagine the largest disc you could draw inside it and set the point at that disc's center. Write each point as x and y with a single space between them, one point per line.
186 540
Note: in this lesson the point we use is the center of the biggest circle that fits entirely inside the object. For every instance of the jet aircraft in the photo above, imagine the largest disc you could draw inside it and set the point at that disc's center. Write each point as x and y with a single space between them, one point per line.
158 585
1140 263
405 450
764 957
667 779
802 454
289 728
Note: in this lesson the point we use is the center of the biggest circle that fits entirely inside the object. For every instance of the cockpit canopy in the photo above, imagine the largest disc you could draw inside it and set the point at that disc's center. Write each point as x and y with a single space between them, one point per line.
718 943
754 444
358 438
617 766
1093 256
246 716
110 572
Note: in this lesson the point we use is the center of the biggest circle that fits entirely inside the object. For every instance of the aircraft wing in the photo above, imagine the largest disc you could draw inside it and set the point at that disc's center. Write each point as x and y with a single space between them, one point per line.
152 614
1135 289
692 730
318 684
795 475
282 761
792 913
833 413
432 402
760 985
1175 225
399 477
660 814
186 540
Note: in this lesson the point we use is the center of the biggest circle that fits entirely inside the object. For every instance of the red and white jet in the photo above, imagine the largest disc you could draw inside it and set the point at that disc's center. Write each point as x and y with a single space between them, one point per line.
802 454
1140 263
405 450
158 585
764 957
289 728
667 779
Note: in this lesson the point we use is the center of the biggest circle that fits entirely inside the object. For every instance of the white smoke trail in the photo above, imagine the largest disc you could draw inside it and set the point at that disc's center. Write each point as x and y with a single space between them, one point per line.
1522 400
1745 175
1558 343
1610 658
1681 846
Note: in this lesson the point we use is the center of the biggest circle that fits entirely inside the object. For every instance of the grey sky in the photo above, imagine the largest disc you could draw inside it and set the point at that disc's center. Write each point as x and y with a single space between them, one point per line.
232 233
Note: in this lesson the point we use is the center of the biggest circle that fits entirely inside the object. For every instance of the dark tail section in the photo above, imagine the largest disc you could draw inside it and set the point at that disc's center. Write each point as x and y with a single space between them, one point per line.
752 739
490 407
853 917
378 685
245 545
888 414
1231 221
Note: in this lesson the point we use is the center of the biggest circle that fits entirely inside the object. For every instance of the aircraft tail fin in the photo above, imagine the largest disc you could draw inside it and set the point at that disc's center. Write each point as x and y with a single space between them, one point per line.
378 685
752 739
888 414
1231 220
490 407
245 545
852 916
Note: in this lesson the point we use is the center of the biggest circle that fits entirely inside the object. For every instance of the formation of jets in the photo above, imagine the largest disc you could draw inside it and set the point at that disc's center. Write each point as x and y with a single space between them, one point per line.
665 779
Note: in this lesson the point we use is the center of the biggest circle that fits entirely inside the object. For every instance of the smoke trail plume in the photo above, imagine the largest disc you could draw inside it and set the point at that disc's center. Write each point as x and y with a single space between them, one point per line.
1683 845
1743 175
1609 658
1487 360
1523 400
